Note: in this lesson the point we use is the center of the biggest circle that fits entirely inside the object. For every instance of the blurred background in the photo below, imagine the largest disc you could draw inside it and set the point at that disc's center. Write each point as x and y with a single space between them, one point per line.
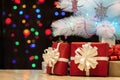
25 32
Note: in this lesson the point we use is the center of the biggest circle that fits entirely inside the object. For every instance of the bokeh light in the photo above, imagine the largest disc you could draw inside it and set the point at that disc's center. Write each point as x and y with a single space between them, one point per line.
3 13
8 21
17 43
24 6
48 32
10 15
36 57
37 10
26 32
27 16
32 45
41 1
12 35
33 65
28 41
14 25
32 29
40 24
13 61
23 21
63 13
15 7
34 6
21 12
39 16
56 13
17 1
31 58
36 33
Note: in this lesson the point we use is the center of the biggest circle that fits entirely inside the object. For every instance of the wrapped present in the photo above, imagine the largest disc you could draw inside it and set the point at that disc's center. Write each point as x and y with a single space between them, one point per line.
114 52
89 59
114 68
56 58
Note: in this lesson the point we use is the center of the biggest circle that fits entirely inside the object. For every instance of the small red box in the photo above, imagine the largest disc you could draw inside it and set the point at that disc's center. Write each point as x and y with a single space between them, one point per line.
102 66
61 67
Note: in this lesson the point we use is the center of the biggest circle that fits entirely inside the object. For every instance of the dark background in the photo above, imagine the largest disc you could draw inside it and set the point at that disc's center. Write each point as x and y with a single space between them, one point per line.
18 57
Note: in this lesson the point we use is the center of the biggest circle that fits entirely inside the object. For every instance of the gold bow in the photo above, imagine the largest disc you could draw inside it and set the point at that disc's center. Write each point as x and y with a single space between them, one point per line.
86 58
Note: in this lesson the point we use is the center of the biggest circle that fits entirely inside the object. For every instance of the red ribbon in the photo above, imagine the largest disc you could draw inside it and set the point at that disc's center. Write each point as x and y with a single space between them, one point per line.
114 52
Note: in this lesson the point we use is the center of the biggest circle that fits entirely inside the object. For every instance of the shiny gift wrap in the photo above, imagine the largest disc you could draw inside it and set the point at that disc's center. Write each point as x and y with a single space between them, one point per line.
89 59
56 58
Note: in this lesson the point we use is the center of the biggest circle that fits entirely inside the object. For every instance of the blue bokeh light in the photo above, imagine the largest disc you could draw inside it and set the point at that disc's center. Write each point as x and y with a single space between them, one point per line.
39 16
20 12
63 13
33 45
37 10
56 13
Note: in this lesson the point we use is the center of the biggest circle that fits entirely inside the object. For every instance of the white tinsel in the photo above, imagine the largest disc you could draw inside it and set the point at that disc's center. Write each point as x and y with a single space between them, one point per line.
73 25
105 30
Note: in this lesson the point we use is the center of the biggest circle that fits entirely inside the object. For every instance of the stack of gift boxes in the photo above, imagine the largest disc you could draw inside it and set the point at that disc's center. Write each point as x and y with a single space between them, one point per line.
82 59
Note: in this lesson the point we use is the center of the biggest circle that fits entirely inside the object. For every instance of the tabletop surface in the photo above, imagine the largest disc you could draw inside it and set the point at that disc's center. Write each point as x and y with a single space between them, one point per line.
39 75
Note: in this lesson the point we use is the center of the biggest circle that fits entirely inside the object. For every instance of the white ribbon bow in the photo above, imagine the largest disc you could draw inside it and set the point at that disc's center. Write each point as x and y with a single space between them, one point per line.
51 56
86 58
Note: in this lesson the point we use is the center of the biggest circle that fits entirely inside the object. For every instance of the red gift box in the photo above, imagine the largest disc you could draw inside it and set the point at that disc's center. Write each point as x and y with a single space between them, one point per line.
60 67
79 50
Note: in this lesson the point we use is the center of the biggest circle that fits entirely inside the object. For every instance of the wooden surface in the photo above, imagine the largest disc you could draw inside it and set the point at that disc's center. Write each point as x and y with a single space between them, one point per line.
39 75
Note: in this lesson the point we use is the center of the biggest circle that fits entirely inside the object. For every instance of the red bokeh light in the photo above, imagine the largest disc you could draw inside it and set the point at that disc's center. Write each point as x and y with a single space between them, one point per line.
48 32
40 24
31 58
8 21
12 35
41 1
17 1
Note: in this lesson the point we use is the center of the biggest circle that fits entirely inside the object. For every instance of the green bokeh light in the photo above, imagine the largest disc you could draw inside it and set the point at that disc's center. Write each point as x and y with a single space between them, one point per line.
32 29
36 33
36 57
15 7
17 43
33 65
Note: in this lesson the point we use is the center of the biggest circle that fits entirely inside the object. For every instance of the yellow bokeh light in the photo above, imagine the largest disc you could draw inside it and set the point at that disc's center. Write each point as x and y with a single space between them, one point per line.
34 6
10 15
28 41
33 41
24 6
23 21
38 22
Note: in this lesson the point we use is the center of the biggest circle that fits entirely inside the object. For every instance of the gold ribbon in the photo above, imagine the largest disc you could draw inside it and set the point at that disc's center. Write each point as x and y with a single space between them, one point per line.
86 58
51 57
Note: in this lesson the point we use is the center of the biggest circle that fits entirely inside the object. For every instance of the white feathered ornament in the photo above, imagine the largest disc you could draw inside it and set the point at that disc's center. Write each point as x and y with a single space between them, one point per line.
105 30
74 25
